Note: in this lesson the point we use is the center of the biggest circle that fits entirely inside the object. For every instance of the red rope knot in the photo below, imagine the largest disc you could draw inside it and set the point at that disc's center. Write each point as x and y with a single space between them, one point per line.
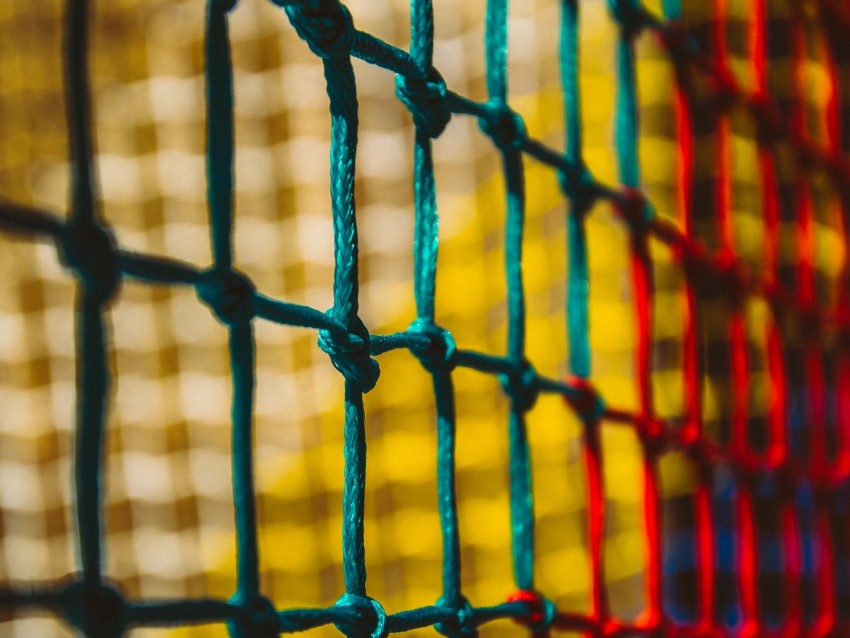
504 126
541 612
770 126
425 98
578 185
463 624
631 15
97 610
325 25
726 91
653 436
718 275
439 354
701 453
349 353
258 619
228 293
631 204
371 618
521 386
584 399
89 250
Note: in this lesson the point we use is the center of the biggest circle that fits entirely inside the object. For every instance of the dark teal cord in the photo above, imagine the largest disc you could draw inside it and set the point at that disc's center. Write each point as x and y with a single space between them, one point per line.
327 28
578 283
343 106
508 134
92 384
78 110
626 120
219 83
231 298
430 120
86 248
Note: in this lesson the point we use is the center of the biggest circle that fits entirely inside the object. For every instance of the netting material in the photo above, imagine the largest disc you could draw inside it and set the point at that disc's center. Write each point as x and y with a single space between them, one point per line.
232 299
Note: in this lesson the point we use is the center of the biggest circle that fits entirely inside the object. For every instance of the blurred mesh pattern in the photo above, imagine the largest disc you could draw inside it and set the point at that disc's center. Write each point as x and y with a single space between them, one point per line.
169 512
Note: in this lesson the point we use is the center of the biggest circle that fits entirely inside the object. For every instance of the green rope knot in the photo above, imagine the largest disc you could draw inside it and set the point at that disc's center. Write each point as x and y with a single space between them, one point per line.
372 619
578 184
631 16
521 386
349 353
89 250
541 612
463 624
96 609
425 98
228 293
504 126
326 26
439 354
258 619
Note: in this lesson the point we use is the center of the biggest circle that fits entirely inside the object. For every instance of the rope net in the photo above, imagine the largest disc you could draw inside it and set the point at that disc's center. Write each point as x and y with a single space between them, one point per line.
758 545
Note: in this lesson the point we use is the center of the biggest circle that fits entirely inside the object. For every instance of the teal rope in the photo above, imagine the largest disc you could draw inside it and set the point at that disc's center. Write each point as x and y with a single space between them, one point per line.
496 49
425 249
92 386
578 281
241 348
327 28
507 133
353 547
627 118
78 111
343 105
219 87
218 289
86 248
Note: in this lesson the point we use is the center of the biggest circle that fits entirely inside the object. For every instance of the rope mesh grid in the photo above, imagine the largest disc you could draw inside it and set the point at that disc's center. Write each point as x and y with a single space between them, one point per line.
793 468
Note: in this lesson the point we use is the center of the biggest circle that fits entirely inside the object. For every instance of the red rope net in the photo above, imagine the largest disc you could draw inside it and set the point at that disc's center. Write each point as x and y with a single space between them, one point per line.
760 547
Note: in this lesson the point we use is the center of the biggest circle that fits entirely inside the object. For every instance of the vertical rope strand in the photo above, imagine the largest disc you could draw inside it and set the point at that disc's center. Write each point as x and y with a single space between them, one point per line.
446 492
496 49
343 107
426 236
578 279
219 87
522 505
92 387
354 492
578 289
426 240
241 348
692 352
838 59
78 110
92 375
643 291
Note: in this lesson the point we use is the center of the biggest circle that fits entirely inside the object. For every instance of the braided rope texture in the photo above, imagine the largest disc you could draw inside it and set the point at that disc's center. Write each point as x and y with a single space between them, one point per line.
728 237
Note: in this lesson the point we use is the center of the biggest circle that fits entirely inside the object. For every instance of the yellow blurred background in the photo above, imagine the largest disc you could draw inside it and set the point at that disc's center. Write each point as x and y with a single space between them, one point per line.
169 529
